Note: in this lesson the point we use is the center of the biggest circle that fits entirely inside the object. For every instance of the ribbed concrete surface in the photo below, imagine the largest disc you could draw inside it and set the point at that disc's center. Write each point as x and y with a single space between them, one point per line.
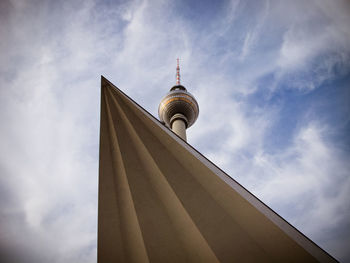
160 201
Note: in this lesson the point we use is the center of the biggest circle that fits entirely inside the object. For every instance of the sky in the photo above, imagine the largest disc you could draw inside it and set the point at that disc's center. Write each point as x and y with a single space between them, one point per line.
272 79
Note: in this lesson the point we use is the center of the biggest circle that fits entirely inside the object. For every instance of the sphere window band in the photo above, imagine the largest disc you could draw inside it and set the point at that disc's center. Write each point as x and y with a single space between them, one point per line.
163 104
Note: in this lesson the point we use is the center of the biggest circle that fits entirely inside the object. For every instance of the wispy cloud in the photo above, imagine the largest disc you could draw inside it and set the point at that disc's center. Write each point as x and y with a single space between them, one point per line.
251 37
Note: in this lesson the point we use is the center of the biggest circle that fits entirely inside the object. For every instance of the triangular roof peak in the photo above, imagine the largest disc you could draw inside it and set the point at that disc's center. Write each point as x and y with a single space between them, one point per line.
160 200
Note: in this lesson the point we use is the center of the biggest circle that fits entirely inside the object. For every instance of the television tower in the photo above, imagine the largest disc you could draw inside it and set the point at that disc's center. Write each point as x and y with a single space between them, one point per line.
178 109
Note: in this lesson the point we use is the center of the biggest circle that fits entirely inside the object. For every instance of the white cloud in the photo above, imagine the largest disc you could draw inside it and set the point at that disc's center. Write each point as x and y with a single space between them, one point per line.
307 183
251 37
321 29
46 144
310 177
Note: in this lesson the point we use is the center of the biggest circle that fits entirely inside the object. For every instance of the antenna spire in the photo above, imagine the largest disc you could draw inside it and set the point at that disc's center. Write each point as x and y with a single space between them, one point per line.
178 72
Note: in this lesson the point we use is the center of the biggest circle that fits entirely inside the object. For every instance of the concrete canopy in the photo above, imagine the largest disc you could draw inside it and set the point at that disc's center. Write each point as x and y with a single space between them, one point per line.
162 201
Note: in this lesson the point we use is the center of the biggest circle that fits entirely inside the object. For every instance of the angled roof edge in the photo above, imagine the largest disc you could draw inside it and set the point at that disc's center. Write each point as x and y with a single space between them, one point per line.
310 246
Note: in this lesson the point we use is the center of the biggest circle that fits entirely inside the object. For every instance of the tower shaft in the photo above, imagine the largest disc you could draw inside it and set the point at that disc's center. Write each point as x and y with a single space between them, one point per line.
179 127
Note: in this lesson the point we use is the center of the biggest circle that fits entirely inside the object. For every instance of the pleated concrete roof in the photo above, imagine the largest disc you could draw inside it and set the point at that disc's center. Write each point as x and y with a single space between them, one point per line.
161 201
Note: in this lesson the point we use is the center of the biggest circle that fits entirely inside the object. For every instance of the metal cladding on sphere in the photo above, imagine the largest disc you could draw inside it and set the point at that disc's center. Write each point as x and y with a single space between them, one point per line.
178 104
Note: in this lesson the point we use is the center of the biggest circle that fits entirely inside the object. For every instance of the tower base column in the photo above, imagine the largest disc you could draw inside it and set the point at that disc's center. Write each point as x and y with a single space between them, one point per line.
179 127
179 124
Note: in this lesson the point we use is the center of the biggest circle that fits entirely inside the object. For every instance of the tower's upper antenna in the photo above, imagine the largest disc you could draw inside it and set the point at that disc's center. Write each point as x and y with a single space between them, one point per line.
178 72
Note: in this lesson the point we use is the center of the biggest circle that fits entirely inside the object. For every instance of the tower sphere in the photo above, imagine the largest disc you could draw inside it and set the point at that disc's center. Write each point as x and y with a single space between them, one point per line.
178 104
